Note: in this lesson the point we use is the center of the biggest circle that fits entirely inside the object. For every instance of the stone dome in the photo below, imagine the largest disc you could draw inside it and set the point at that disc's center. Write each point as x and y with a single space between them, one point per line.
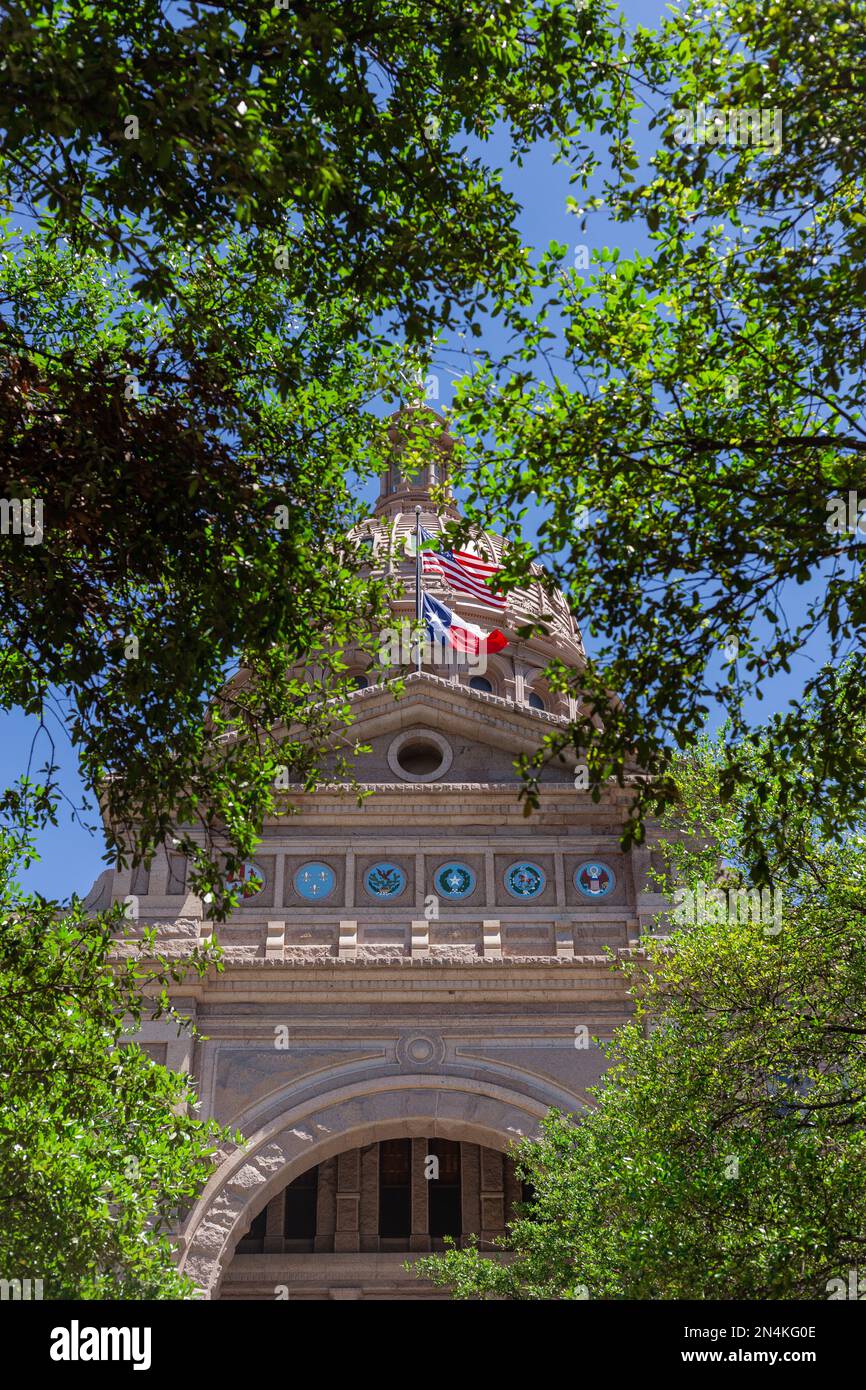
386 532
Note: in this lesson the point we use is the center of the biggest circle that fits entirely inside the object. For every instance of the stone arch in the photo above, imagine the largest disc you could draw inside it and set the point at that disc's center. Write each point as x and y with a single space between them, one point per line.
414 1106
498 672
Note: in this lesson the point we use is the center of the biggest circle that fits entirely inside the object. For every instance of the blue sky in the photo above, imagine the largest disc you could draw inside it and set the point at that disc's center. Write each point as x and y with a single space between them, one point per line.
71 855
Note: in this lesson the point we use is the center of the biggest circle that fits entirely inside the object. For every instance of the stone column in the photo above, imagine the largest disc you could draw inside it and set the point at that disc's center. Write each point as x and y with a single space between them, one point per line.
489 878
326 1206
492 1196
369 1207
350 878
509 682
279 880
559 878
347 1236
420 1237
275 1224
513 1189
470 1181
159 875
420 884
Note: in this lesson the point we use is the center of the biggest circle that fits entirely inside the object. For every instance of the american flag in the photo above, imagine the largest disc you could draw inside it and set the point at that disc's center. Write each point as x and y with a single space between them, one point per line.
465 572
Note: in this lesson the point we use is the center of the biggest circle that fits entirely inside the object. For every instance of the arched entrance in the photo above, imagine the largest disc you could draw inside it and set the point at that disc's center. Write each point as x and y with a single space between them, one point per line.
418 1107
345 1227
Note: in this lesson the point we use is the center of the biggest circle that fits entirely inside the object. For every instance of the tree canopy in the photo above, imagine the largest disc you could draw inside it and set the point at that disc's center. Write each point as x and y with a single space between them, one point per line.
100 1147
724 1153
689 422
249 220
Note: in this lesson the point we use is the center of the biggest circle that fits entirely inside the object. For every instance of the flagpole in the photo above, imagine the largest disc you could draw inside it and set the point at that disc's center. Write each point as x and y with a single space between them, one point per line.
418 579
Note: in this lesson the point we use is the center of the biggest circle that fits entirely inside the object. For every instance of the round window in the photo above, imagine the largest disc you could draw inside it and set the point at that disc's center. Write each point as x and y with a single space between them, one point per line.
535 701
420 755
481 683
594 879
315 881
454 881
385 881
524 880
419 758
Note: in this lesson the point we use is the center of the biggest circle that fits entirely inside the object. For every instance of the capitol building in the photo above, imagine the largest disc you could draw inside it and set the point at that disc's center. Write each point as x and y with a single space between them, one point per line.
411 982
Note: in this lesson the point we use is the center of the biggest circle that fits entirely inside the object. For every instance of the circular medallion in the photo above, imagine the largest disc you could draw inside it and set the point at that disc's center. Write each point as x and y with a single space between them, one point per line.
420 1050
594 879
524 880
248 880
315 881
385 881
454 881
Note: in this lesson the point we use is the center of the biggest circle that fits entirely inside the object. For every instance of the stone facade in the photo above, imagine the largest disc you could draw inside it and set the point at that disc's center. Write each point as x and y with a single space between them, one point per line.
426 967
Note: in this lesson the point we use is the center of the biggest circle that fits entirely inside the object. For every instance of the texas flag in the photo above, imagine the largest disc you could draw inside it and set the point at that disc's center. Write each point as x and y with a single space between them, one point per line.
445 627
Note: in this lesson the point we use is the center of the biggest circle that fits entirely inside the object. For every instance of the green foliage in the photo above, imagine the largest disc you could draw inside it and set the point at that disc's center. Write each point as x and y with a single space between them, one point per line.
191 460
100 1148
239 209
354 127
725 1156
697 411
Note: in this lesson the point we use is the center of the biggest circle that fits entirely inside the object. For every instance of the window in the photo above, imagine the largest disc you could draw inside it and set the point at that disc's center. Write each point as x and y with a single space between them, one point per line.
176 873
253 1242
481 683
419 755
301 1201
535 701
419 758
395 1189
443 1192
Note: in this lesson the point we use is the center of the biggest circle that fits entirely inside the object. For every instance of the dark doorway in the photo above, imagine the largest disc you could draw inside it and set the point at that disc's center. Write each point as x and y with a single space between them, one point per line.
443 1192
395 1189
299 1222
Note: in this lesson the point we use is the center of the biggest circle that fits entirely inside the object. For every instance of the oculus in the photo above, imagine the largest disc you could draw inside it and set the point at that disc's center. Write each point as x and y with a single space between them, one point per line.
315 881
419 755
385 881
525 880
454 881
594 879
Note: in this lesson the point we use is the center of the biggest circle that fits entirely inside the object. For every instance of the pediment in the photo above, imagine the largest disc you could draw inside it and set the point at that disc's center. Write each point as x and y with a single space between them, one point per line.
480 734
